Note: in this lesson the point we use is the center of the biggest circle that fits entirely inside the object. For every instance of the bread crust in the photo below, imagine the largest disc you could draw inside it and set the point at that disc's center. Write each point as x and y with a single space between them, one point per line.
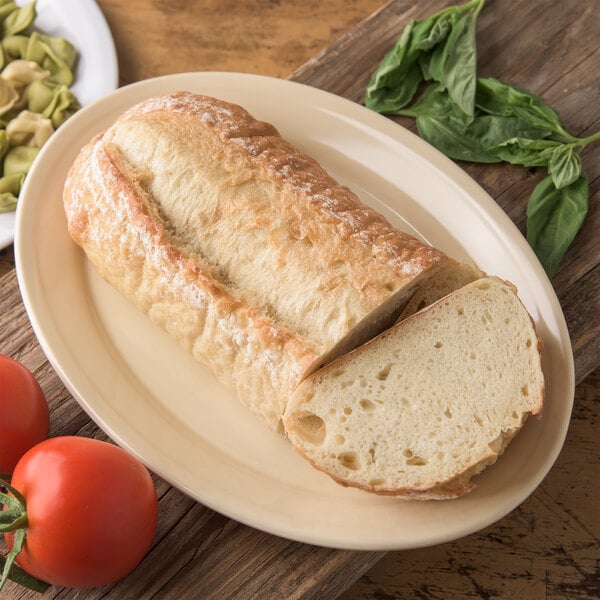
181 199
458 485
144 264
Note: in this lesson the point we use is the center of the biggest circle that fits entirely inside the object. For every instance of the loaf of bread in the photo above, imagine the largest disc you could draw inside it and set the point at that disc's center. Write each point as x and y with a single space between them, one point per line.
244 249
422 408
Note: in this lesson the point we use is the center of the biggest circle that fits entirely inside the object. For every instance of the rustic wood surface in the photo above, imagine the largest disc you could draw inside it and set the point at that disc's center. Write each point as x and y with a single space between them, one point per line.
548 547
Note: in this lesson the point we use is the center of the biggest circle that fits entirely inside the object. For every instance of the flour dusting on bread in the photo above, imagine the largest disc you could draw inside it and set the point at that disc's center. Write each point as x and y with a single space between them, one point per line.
244 249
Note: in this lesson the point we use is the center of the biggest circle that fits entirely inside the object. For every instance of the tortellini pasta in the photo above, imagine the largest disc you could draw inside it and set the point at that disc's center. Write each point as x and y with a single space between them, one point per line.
20 73
36 71
8 96
29 129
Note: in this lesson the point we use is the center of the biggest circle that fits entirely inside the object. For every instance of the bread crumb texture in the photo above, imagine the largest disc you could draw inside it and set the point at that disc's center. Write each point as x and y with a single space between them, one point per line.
425 406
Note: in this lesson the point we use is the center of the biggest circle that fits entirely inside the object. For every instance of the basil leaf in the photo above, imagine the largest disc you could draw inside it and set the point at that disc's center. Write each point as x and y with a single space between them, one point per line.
460 70
444 125
395 81
486 120
441 123
564 165
554 216
437 34
497 98
390 100
435 101
492 130
449 139
526 152
434 62
475 142
453 60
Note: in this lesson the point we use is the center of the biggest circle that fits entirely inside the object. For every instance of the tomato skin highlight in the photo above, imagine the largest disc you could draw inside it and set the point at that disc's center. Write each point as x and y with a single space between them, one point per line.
92 512
24 417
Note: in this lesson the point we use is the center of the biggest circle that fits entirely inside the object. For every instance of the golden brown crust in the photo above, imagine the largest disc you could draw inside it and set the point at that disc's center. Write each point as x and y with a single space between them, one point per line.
455 487
241 247
125 256
273 157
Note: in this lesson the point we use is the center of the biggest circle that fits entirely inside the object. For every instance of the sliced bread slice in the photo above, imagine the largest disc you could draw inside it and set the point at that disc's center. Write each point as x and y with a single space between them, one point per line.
454 276
425 406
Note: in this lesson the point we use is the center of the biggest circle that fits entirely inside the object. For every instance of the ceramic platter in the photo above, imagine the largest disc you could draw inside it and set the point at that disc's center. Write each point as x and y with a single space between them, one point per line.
151 398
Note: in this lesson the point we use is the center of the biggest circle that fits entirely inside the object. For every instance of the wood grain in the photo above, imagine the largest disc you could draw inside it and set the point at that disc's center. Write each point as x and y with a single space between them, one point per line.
270 37
548 547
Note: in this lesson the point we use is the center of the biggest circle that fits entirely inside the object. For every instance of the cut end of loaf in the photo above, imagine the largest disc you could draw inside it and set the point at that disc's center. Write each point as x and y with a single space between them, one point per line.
427 405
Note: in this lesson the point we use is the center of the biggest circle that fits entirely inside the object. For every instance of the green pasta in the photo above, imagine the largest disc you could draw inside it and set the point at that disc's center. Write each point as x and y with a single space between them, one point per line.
36 71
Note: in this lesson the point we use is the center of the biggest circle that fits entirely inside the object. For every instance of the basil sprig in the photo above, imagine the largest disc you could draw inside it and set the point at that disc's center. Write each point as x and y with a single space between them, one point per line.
442 48
485 120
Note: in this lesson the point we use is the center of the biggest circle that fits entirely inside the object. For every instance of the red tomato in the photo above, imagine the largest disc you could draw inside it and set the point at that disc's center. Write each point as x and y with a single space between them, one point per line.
24 419
91 512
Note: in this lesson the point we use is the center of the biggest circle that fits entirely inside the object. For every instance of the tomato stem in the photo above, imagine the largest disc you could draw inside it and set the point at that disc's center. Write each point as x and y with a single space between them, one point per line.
14 515
18 521
14 518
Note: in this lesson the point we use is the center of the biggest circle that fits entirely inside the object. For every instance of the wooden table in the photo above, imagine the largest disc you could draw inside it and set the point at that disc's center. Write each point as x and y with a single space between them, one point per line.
548 547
